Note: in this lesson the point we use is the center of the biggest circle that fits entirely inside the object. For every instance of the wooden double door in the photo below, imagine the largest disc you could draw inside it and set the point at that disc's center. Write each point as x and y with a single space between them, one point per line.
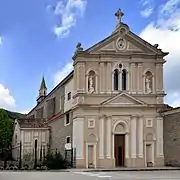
119 143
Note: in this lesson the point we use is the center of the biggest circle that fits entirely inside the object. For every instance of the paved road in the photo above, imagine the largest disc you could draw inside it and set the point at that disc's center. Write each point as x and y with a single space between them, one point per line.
155 175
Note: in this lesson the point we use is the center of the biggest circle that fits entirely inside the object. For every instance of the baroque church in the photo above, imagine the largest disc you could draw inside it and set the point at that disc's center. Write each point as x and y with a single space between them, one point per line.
108 108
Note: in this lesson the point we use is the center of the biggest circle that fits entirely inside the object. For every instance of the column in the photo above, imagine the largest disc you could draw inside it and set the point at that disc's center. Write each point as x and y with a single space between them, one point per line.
128 81
127 145
101 77
108 138
78 137
109 79
80 78
157 78
133 77
140 138
159 134
133 137
140 79
101 138
161 80
104 77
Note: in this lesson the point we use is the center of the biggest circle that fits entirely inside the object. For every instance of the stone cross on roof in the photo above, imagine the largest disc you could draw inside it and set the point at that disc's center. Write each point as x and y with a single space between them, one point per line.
119 14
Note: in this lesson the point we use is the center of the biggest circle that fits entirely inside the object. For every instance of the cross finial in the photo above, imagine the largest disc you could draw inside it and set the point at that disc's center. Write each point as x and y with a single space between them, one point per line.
119 14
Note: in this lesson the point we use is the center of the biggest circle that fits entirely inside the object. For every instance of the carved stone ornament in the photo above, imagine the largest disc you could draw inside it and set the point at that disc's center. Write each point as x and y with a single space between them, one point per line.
148 82
122 31
91 82
121 43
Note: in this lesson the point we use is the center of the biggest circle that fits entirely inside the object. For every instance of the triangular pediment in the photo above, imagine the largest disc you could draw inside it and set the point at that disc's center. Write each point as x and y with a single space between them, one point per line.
124 42
123 99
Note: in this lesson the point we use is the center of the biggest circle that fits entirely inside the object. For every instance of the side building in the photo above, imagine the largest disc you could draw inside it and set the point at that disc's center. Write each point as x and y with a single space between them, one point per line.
30 140
172 136
56 108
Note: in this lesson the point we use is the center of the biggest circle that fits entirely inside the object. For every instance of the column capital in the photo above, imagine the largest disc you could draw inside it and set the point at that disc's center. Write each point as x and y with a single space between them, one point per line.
160 118
133 64
134 117
139 65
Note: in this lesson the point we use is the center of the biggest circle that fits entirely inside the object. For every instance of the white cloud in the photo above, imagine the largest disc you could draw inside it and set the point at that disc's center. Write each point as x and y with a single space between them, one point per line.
147 7
60 75
7 101
25 112
68 12
0 40
166 32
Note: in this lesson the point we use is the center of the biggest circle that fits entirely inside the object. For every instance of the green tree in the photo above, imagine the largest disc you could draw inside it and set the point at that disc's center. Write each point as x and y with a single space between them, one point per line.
6 131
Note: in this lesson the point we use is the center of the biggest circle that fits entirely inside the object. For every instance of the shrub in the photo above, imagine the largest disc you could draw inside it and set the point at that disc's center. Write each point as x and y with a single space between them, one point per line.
26 167
55 161
15 168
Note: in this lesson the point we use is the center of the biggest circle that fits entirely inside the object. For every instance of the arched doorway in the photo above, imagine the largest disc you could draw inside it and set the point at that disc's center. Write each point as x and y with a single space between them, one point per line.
120 143
91 151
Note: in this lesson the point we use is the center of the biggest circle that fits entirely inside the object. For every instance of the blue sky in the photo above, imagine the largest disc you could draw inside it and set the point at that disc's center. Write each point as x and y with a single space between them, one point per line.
39 37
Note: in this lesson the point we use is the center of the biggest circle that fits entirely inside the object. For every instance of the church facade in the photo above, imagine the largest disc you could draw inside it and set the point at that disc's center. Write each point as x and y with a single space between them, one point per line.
110 103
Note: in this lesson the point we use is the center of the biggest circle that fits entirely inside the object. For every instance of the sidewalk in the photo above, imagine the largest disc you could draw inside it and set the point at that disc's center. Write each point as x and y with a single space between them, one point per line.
126 169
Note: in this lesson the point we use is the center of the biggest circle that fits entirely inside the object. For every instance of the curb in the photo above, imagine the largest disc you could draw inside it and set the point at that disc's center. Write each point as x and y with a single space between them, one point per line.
116 170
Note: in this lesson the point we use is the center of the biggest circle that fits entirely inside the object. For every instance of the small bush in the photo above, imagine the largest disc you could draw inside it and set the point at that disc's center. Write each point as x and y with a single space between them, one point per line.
11 168
26 167
38 168
55 161
15 168
44 168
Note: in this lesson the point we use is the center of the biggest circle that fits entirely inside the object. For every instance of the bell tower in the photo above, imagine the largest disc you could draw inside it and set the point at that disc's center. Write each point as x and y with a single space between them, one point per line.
42 91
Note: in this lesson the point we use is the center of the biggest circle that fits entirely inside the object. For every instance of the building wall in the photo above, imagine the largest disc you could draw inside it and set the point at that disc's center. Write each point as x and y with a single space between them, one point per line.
172 138
16 140
69 88
59 133
49 109
27 136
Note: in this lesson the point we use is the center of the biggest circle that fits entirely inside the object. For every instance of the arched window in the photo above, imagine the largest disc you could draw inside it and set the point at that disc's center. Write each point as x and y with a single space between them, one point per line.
124 79
91 81
116 79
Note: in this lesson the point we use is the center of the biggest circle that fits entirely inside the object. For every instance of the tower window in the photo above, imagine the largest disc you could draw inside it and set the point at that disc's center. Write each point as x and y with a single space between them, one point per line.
67 119
68 139
116 79
69 96
124 79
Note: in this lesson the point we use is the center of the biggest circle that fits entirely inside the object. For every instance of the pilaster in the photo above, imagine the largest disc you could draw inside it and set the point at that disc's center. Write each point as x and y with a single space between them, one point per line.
139 79
101 138
159 78
140 137
101 78
81 75
108 137
78 137
109 79
159 134
133 137
133 77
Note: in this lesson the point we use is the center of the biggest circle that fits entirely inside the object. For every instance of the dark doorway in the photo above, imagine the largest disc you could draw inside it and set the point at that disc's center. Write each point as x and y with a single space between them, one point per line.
119 143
